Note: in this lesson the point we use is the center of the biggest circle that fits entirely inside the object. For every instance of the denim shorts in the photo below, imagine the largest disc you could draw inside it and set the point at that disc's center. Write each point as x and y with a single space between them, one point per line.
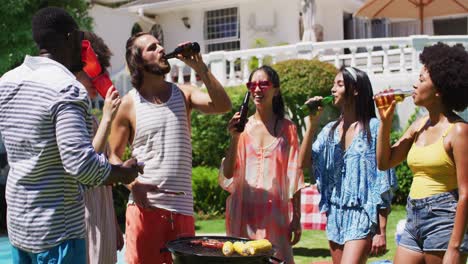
430 222
348 223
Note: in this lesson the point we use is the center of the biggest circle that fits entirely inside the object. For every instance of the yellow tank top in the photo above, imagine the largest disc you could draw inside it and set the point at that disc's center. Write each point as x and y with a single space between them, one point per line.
433 170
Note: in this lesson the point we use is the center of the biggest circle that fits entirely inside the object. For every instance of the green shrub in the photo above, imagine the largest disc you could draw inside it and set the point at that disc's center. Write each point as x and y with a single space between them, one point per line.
210 137
120 195
209 198
302 79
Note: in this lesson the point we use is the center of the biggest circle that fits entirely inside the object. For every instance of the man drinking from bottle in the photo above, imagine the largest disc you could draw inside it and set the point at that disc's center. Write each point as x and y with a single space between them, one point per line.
154 119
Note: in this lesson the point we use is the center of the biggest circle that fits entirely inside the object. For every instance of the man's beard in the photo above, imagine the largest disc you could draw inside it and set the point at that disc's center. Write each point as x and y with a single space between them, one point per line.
156 69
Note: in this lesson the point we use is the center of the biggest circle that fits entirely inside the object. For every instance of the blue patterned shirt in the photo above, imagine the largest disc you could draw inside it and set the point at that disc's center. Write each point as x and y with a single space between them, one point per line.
350 178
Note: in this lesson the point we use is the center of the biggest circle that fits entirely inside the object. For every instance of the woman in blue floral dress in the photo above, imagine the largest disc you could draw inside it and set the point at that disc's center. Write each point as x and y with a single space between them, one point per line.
355 195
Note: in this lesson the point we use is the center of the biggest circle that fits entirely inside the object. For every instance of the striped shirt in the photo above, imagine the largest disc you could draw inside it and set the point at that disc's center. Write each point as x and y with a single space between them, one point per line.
162 142
46 128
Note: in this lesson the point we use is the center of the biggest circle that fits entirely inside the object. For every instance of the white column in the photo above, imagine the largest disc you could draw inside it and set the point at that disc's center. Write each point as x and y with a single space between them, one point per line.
218 66
369 49
168 77
386 66
353 56
402 58
273 58
232 73
260 60
193 77
336 51
245 69
169 74
180 68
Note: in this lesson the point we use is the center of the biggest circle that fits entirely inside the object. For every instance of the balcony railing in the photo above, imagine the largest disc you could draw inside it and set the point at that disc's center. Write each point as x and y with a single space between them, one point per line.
378 57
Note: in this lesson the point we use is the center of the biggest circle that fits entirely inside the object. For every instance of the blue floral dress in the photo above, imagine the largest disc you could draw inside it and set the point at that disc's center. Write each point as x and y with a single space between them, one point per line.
352 188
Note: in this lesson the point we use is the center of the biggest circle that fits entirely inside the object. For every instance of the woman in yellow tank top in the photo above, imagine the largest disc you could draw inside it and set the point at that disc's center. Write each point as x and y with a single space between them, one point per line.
436 149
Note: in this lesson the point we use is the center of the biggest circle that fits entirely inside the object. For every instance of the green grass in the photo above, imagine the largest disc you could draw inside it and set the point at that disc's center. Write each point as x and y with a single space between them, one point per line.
210 226
314 244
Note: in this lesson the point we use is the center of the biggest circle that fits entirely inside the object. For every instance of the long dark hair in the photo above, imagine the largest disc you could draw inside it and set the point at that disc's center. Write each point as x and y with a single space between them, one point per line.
134 60
278 103
363 102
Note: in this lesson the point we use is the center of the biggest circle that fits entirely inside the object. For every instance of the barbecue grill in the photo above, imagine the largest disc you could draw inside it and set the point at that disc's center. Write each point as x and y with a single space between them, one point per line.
185 251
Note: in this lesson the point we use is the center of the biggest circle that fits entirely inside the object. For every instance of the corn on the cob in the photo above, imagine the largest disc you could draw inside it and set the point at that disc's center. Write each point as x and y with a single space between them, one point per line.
241 248
258 246
228 248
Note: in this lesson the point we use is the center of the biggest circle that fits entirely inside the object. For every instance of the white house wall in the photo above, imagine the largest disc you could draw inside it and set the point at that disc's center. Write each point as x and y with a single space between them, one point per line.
174 30
330 15
114 27
276 21
257 20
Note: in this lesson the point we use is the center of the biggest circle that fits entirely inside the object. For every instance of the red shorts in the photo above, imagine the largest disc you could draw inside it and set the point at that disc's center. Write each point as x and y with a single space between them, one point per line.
148 230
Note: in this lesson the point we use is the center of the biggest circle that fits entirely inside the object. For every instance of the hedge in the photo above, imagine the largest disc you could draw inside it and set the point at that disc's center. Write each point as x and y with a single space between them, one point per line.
302 79
210 137
209 198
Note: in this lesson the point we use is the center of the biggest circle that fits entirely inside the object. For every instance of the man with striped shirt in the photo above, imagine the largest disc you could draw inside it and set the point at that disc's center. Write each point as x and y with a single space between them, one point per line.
154 119
45 124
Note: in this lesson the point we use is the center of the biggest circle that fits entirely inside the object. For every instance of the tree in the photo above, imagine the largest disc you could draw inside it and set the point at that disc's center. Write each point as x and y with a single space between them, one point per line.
301 79
15 27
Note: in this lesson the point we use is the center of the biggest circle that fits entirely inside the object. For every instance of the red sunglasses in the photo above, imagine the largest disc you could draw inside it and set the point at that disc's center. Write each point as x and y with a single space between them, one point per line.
263 85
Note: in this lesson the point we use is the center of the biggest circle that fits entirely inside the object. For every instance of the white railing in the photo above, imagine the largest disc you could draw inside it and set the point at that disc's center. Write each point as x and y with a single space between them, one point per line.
378 57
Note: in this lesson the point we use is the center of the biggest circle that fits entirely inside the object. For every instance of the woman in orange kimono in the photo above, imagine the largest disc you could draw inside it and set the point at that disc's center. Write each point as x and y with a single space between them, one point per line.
260 170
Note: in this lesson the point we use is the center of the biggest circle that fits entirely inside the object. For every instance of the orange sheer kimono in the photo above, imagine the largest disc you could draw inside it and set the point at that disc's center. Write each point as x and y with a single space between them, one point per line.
262 186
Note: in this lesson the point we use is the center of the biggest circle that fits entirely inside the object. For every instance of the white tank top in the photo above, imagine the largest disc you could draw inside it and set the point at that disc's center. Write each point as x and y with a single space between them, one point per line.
162 142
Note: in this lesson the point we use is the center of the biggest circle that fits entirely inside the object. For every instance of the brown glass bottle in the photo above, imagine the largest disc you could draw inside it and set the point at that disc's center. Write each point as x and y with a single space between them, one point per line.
243 110
385 99
186 50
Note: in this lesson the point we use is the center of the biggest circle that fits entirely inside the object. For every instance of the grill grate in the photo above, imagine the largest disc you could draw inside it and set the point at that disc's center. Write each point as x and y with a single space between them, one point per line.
184 246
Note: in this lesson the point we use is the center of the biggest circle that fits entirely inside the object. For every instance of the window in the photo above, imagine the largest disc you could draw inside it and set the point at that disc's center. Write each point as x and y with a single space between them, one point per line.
451 26
222 29
362 28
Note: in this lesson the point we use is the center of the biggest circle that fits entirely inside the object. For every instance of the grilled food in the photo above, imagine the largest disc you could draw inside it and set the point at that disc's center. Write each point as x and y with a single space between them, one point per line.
241 248
228 248
258 246
208 243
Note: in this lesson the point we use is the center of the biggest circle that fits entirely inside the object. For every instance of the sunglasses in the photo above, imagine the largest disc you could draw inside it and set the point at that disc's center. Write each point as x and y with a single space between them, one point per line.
263 85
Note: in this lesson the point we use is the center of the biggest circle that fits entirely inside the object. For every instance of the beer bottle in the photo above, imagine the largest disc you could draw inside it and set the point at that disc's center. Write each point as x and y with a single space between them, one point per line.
243 110
385 99
186 50
311 107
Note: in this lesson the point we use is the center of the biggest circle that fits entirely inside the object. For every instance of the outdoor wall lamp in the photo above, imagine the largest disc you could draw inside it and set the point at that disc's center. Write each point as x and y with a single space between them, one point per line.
185 20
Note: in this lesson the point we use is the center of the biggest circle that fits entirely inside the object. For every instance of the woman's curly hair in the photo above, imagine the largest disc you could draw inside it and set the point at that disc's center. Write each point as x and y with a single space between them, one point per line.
448 68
